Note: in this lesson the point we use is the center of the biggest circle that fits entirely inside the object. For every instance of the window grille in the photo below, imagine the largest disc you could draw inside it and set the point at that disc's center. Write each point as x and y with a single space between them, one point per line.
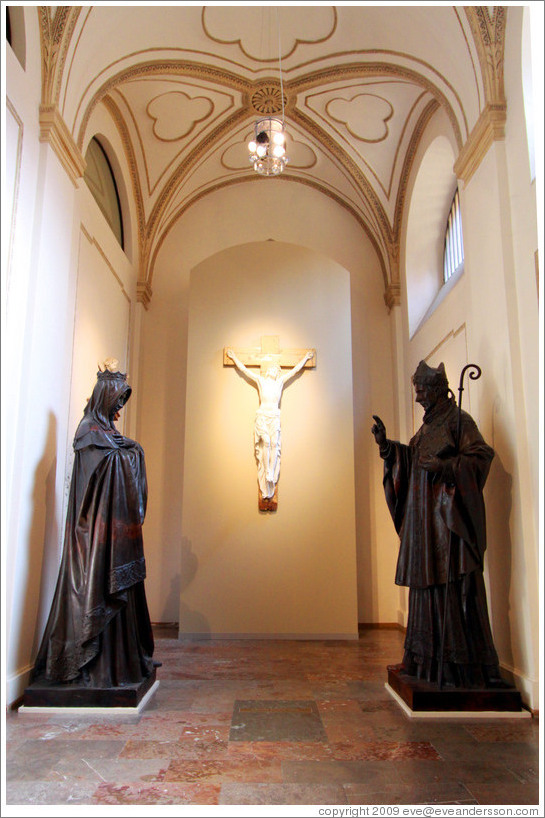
453 258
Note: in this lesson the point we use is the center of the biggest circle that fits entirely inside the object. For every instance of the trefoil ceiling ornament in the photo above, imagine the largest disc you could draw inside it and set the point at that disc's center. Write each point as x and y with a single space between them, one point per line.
268 147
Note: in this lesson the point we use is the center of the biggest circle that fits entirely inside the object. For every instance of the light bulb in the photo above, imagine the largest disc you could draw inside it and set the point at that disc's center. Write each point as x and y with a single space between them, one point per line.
278 138
252 146
261 150
278 151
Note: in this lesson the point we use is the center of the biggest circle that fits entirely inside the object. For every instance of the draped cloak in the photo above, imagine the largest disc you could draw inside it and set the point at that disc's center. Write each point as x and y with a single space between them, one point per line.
99 633
267 436
432 511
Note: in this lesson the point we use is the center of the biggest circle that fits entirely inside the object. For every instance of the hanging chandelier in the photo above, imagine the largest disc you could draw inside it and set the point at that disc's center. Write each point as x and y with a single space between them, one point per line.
268 147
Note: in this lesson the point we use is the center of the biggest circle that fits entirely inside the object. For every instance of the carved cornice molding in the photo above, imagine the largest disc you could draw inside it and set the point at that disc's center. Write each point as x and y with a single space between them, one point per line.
143 293
55 35
490 127
54 130
489 35
392 295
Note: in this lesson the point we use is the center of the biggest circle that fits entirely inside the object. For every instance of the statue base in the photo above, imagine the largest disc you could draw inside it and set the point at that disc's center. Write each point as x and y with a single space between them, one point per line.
425 698
44 695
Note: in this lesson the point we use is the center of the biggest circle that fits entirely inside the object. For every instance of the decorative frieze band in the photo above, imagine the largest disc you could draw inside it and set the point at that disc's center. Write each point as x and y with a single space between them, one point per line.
490 127
54 130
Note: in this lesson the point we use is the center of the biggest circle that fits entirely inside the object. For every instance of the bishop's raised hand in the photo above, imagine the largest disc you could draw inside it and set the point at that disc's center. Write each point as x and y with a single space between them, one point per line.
379 431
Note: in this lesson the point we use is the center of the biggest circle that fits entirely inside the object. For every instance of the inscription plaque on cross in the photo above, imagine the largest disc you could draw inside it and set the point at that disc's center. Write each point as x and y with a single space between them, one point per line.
270 382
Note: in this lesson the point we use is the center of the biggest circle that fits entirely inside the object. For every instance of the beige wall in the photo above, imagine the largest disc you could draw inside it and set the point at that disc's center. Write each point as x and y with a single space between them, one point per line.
292 572
230 217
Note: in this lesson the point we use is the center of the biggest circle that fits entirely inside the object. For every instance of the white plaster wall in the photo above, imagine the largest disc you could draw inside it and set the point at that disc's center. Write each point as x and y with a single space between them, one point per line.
34 380
291 572
63 273
489 317
494 341
522 226
257 211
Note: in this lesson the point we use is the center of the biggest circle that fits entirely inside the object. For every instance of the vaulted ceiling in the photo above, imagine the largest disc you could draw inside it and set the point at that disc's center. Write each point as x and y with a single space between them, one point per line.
185 84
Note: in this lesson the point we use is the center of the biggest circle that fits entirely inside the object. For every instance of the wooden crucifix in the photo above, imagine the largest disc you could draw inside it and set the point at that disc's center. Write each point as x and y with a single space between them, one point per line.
270 383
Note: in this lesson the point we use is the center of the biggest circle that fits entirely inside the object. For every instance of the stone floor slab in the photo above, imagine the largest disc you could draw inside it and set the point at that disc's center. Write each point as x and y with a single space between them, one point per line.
316 726
272 720
281 794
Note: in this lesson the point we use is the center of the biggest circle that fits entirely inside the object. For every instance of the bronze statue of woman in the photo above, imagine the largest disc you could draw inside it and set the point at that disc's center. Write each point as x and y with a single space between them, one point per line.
99 633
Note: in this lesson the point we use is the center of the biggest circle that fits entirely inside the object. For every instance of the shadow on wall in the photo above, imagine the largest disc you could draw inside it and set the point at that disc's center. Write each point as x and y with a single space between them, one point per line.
499 556
43 553
171 464
191 621
172 602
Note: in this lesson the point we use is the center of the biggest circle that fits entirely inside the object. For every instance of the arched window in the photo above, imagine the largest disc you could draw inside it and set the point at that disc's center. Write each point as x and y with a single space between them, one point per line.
429 205
453 255
101 182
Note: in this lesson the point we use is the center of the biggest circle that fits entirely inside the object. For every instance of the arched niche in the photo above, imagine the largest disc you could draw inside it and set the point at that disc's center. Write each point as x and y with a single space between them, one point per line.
257 575
428 209
241 214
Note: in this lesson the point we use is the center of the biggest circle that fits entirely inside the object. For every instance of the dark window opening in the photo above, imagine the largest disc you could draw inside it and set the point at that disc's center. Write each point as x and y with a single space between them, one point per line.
100 180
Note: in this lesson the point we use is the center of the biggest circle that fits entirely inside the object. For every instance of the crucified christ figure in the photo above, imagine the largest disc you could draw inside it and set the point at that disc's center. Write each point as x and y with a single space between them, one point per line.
267 435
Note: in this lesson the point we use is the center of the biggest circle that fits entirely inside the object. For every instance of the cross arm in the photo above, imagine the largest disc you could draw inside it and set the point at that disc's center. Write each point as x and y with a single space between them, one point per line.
288 358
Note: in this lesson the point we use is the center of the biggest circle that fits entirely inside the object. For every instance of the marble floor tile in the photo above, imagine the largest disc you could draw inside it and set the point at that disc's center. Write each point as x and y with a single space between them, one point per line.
165 792
469 770
505 793
344 720
289 688
49 792
402 793
35 759
187 748
384 751
292 794
329 772
107 769
376 774
172 698
221 771
517 730
188 719
251 751
268 720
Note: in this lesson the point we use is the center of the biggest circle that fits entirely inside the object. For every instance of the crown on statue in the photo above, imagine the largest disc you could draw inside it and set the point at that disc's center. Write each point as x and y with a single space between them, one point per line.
108 371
